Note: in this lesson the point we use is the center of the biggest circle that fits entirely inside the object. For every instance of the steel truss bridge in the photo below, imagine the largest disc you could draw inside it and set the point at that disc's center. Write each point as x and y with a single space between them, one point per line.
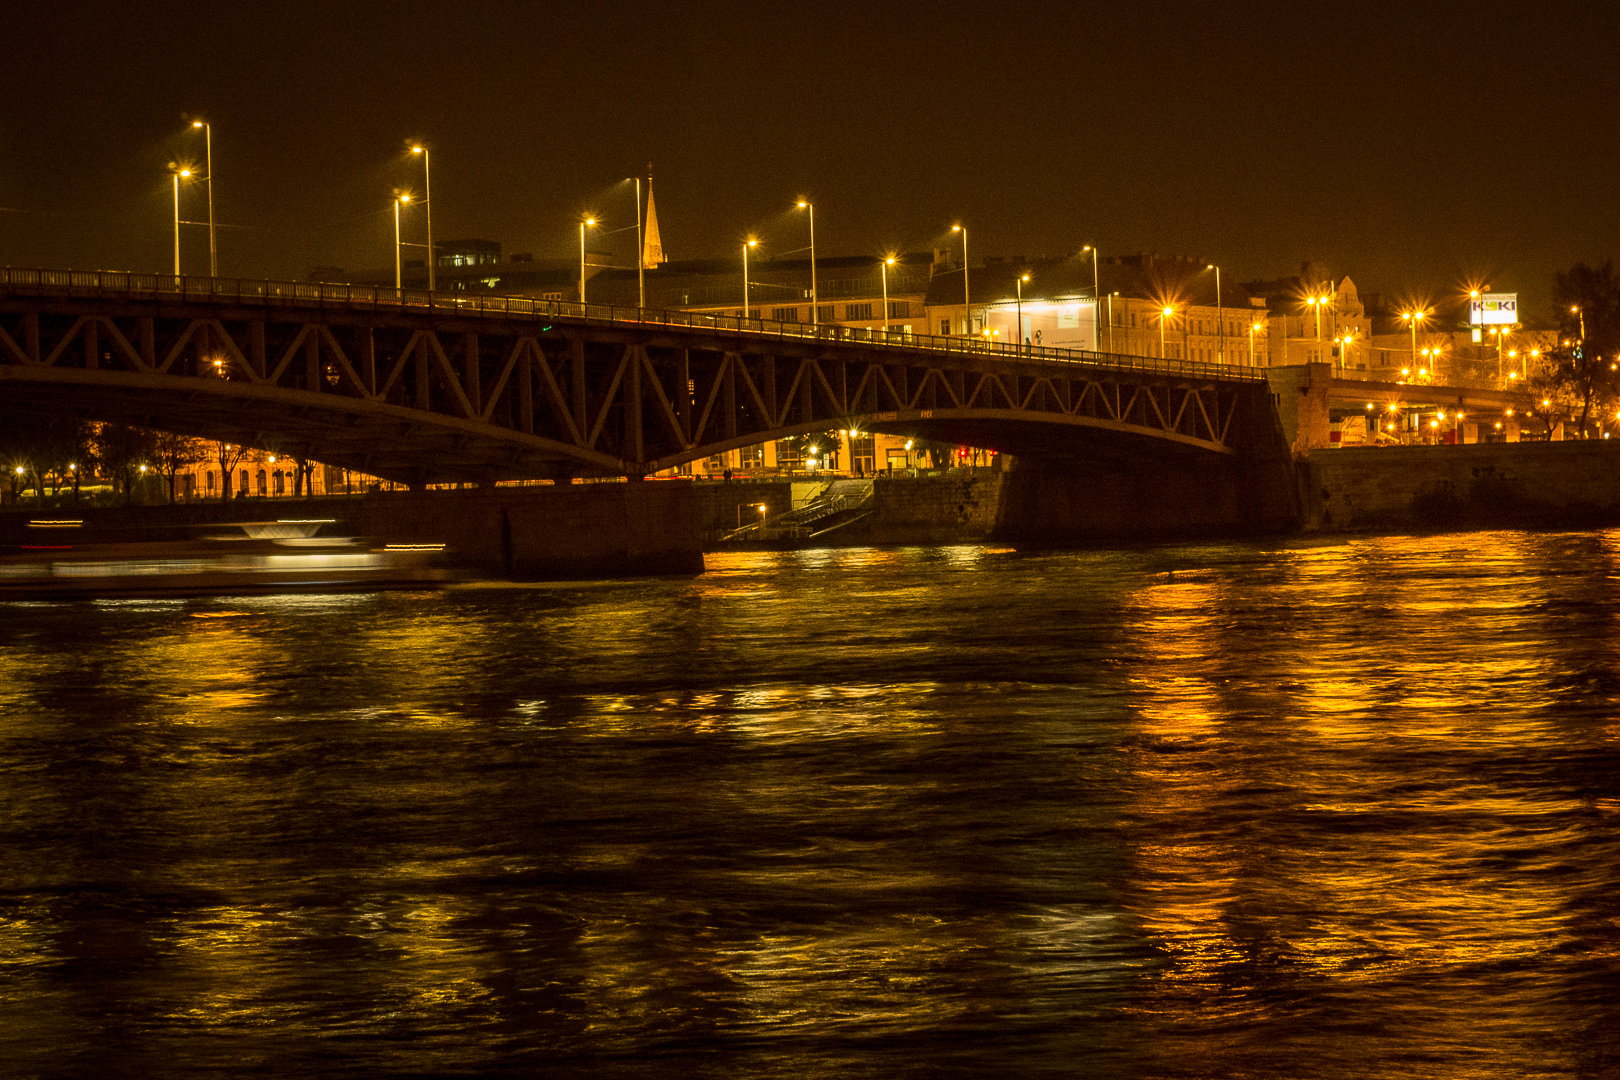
421 387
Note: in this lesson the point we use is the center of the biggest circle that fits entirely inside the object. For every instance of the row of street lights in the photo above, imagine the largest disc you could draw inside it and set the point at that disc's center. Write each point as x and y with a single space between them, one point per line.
182 172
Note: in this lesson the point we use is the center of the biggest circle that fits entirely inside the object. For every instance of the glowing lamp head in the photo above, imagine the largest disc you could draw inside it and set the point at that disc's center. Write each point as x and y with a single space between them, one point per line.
196 123
803 204
185 172
1168 312
1024 278
416 150
889 261
590 221
404 198
956 228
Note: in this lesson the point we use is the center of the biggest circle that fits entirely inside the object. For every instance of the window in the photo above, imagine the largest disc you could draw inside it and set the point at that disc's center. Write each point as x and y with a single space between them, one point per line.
857 312
243 486
824 313
280 482
208 481
752 457
785 314
899 309
944 326
1133 320
264 485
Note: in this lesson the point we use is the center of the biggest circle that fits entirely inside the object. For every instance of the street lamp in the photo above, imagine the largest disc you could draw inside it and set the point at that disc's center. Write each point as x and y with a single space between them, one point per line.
1412 319
208 144
641 256
1164 313
588 221
815 299
1020 284
751 243
427 201
177 176
1252 328
967 304
1576 311
403 197
1315 303
1096 304
884 268
1220 321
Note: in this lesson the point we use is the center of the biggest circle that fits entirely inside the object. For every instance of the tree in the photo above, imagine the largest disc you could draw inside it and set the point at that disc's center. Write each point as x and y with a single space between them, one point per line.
814 442
118 450
171 453
1585 367
228 455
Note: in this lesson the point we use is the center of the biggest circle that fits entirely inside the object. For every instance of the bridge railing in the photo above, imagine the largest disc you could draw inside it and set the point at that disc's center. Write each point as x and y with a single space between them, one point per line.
112 284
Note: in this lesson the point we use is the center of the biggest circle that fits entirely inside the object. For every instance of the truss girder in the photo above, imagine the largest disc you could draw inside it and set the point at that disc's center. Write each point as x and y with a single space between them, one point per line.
418 399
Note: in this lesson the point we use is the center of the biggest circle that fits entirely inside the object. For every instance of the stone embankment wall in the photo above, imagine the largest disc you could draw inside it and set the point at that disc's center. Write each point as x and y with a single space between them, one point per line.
955 508
1492 485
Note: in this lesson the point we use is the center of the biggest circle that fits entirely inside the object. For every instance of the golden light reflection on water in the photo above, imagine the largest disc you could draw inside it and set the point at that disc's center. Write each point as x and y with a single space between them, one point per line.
1374 667
1305 804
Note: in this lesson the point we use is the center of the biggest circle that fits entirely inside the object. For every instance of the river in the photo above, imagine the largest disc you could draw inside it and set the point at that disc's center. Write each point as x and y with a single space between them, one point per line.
1329 808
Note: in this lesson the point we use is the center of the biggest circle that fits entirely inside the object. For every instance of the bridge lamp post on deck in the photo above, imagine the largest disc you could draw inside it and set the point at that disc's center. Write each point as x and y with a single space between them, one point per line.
1096 292
884 267
208 150
592 222
967 302
1164 313
427 200
177 176
398 266
815 299
1020 284
751 242
1252 328
1220 321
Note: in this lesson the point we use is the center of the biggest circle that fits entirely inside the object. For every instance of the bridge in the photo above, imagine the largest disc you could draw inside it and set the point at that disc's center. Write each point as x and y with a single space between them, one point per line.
419 387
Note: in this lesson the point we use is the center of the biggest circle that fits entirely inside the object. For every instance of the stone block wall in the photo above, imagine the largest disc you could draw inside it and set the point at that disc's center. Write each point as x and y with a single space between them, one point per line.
1489 485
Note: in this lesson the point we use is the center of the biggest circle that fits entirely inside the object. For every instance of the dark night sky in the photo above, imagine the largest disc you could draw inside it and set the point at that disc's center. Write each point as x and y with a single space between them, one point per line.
1412 149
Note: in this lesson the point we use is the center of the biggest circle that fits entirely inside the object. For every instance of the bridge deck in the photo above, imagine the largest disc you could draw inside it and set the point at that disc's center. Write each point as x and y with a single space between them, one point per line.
93 284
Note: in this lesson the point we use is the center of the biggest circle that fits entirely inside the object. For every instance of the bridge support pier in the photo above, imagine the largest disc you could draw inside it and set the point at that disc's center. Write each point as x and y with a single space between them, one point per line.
1112 499
547 532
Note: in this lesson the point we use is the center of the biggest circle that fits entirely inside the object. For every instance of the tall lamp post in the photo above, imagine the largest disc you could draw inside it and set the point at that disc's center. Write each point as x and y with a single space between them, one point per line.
1096 304
1220 319
751 243
1252 328
588 221
884 267
967 303
1020 283
177 175
815 299
641 256
1164 313
427 201
208 150
1412 319
398 266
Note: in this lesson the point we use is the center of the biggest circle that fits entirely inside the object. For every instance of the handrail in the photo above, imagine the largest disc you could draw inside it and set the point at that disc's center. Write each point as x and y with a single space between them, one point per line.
374 297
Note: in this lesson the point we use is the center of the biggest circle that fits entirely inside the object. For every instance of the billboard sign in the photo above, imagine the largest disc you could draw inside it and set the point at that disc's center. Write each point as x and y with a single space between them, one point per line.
1494 309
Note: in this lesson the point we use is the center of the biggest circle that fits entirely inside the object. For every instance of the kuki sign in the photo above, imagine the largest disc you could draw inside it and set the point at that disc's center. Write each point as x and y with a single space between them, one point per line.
1494 309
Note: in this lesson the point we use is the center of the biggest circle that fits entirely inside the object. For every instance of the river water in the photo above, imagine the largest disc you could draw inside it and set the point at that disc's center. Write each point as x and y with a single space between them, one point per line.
1341 808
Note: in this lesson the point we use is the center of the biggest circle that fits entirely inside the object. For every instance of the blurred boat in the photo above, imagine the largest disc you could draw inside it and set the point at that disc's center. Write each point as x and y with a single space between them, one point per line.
257 558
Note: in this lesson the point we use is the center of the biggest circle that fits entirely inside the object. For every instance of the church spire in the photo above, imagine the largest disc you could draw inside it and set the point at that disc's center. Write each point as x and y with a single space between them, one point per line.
652 250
